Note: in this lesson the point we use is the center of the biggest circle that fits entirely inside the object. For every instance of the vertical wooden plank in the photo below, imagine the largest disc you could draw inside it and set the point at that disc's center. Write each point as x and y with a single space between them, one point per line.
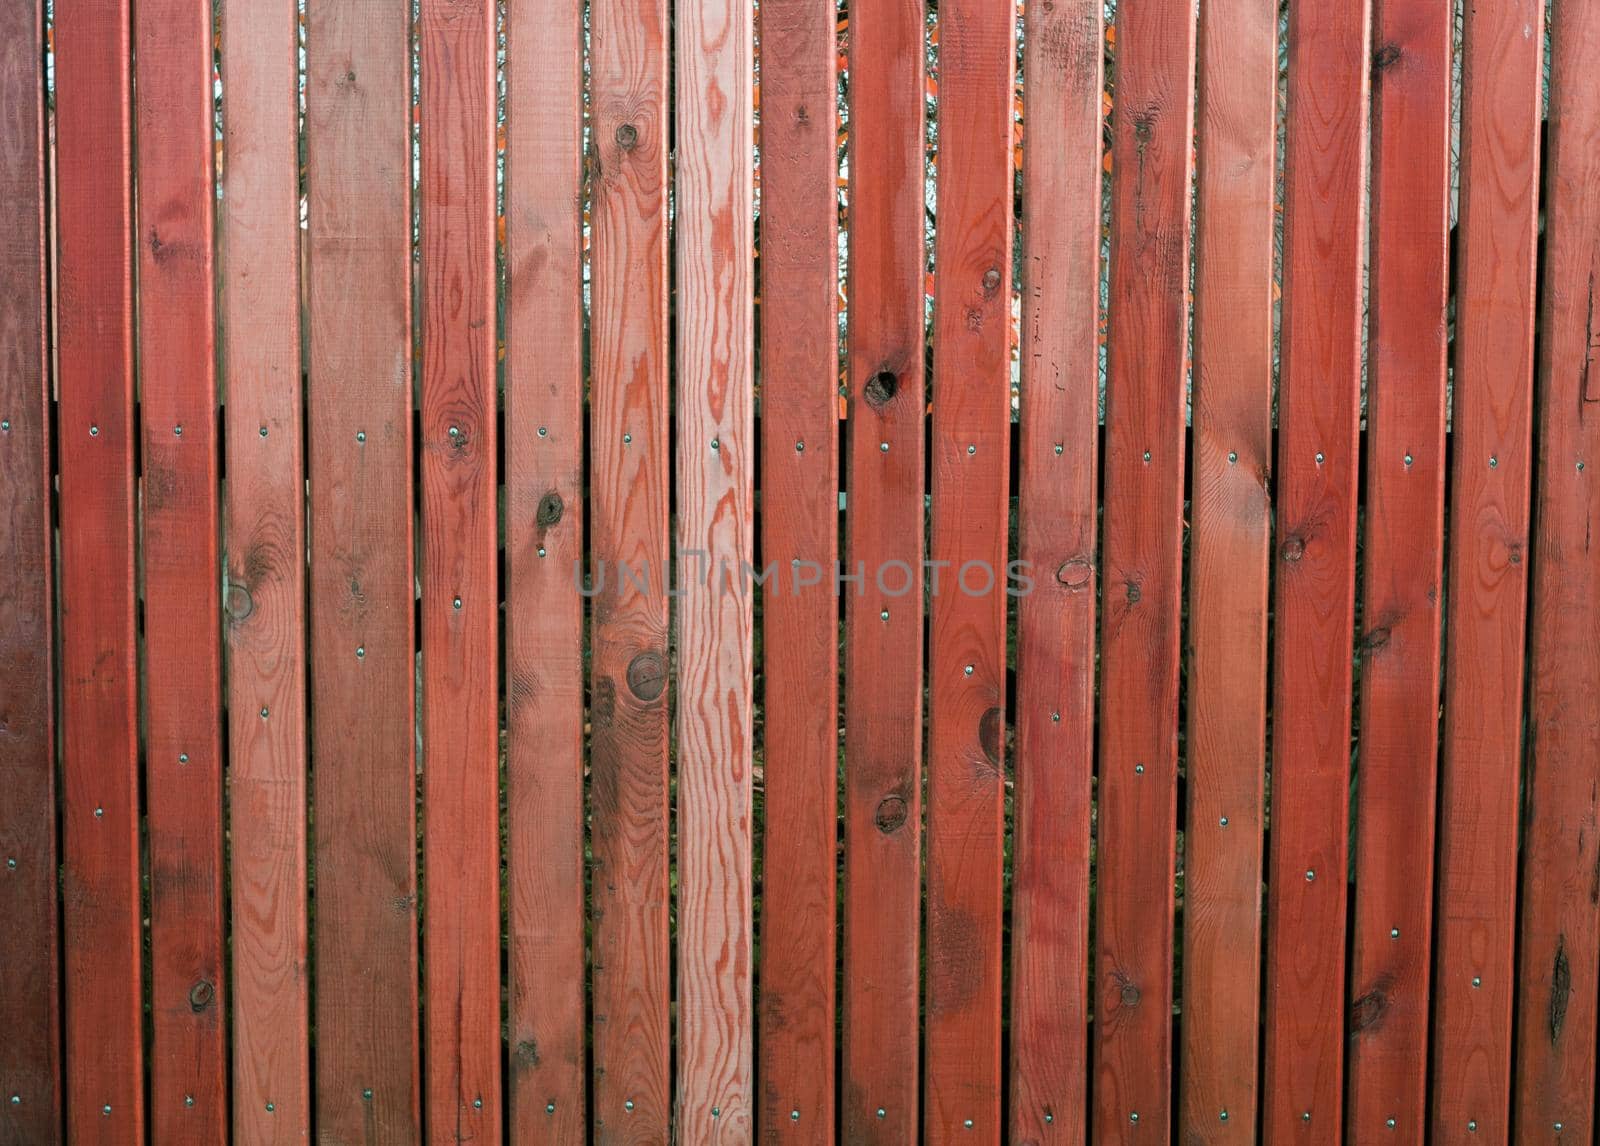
1501 105
1399 647
716 448
265 599
1318 451
30 1055
800 521
544 381
1230 539
1058 533
460 583
358 188
1152 155
883 615
99 643
1556 1016
628 526
971 517
183 639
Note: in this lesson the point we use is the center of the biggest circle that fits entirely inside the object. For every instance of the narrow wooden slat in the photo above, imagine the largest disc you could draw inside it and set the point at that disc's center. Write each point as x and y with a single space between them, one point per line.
182 637
1141 620
628 471
30 1055
265 600
358 402
1231 535
1492 411
800 521
883 614
715 473
1399 646
460 584
104 1055
1314 608
1555 1052
1319 405
1058 532
544 381
971 448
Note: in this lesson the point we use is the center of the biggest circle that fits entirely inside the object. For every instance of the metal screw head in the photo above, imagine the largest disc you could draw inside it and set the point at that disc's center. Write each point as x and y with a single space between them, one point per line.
361 435
794 1116
1310 875
884 616
99 813
11 865
1223 822
799 447
1390 1124
1408 459
106 1109
549 1108
1472 1125
1223 1117
455 432
541 551
543 432
968 1124
1048 1118
262 431
882 1113
263 712
366 1094
883 447
361 652
1147 455
1233 457
1477 980
1133 1116
1055 718
177 431
971 450
1138 769
477 1104
716 444
628 1105
271 1107
5 424
1556 1127
1321 457
94 432
1580 467
1058 449
16 1100
455 602
967 671
627 439
716 1112
1306 1117
1394 933
183 758
1494 463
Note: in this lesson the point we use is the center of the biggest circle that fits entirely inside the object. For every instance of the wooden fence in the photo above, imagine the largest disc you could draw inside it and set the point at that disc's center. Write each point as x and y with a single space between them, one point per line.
433 703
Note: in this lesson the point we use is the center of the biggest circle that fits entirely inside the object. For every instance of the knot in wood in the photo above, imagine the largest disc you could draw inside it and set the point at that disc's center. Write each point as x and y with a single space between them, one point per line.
891 813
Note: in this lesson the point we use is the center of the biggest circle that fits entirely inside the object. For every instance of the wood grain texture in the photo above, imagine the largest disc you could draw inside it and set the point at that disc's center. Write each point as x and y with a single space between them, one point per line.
1058 534
1491 423
1558 954
800 521
104 1055
716 461
1314 608
30 1006
544 384
176 201
884 524
460 572
1152 156
358 404
264 603
1230 541
628 474
1398 749
971 516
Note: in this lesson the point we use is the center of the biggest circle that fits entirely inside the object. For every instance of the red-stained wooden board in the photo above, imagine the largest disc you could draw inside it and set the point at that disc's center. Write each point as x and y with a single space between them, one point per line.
358 403
715 473
800 521
1558 953
1314 609
1058 529
544 380
30 1055
971 514
264 602
1138 791
631 953
460 575
182 635
883 611
1491 422
1401 578
1231 532
104 1055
